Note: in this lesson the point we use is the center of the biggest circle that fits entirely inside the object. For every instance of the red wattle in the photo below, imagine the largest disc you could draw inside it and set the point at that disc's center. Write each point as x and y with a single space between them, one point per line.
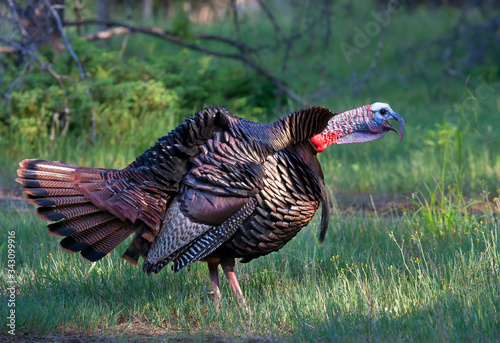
320 142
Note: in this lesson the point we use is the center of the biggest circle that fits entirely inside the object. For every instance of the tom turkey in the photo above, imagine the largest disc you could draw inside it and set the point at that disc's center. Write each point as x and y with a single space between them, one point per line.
218 187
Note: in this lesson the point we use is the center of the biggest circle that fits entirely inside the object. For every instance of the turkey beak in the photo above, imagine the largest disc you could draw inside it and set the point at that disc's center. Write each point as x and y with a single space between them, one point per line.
397 117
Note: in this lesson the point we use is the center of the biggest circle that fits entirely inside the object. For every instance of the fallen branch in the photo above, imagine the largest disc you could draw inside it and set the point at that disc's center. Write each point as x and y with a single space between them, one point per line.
107 34
7 50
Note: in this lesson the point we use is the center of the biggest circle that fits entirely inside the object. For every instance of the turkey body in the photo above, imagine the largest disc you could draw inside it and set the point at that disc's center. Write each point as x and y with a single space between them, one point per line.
218 187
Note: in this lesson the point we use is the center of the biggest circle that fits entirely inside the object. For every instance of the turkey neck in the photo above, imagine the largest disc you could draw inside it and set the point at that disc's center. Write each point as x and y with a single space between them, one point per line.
295 128
345 123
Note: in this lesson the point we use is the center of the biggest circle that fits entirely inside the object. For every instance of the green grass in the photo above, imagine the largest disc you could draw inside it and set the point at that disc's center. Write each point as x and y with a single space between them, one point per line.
374 278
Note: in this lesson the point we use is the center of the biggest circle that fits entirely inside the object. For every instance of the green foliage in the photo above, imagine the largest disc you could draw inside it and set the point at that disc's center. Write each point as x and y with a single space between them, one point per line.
127 94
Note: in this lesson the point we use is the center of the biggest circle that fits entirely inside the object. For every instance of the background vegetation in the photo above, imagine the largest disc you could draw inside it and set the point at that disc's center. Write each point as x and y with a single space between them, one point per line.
420 261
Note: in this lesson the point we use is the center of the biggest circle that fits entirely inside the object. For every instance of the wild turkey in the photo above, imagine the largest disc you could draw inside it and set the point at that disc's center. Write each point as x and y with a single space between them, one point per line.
218 187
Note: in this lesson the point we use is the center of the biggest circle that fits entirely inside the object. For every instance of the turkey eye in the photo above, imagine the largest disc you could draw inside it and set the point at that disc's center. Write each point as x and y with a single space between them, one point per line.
383 111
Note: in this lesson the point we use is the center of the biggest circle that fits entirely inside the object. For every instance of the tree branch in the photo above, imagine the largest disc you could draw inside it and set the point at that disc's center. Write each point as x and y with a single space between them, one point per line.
15 18
23 48
272 19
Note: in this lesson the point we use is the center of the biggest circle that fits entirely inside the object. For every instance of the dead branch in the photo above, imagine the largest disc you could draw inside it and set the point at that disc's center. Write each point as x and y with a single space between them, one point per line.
287 41
122 30
461 77
25 50
7 50
154 31
107 34
27 64
272 19
237 44
15 18
473 38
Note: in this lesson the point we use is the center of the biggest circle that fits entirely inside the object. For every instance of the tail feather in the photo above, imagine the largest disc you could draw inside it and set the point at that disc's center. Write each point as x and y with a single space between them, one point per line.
32 183
50 192
137 195
100 249
54 214
42 175
84 174
85 239
79 224
56 201
139 247
49 166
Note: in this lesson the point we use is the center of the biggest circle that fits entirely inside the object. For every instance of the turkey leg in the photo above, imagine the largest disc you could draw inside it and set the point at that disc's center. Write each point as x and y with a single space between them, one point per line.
228 268
214 280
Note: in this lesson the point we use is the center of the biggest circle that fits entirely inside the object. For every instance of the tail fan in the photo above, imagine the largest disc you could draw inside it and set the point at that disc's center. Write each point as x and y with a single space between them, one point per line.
55 188
96 209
